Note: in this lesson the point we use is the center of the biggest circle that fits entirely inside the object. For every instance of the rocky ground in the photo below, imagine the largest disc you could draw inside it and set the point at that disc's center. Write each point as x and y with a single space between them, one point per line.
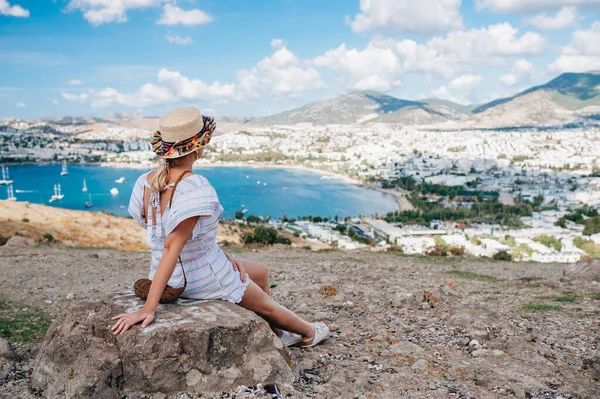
403 327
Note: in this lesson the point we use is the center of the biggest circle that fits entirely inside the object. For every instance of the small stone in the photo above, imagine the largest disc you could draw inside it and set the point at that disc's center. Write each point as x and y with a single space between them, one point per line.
4 352
421 365
474 345
70 296
406 348
519 393
487 353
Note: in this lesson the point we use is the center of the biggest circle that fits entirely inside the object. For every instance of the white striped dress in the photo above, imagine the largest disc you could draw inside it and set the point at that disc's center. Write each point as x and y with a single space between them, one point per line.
209 273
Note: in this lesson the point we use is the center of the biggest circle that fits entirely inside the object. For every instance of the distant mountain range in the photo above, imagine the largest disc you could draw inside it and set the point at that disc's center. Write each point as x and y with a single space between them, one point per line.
571 97
568 98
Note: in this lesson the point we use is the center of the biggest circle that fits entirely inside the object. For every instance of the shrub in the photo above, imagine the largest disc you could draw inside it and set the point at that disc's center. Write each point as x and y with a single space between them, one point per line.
253 219
502 255
457 251
265 236
437 250
592 226
25 220
239 214
48 237
396 249
549 241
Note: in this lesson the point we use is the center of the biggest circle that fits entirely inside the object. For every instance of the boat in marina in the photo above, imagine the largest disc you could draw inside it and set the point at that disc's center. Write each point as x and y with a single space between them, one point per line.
57 194
84 189
89 203
5 177
114 191
120 180
64 170
10 194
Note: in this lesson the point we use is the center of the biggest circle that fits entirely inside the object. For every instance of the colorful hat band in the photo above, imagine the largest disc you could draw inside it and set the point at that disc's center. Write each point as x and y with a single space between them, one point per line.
168 150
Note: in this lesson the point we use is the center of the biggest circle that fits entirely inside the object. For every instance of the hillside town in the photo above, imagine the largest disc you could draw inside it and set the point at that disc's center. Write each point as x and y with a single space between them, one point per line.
557 169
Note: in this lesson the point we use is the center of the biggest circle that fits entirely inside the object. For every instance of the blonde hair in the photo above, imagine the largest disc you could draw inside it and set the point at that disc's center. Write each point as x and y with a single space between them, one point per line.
163 172
162 175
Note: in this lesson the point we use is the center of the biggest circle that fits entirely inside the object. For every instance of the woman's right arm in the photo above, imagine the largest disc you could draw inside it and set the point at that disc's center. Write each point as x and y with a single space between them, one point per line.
174 243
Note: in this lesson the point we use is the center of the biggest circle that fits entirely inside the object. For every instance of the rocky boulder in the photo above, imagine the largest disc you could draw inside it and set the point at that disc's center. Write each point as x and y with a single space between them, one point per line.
193 346
585 271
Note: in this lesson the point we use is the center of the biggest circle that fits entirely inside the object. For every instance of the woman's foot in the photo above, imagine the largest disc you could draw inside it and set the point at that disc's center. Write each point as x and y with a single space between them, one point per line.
290 338
320 333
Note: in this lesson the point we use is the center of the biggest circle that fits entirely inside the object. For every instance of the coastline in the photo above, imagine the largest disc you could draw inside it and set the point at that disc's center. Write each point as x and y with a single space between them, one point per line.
398 196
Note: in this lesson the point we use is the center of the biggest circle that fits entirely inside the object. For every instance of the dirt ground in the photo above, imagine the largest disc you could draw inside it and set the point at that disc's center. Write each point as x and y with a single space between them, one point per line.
403 327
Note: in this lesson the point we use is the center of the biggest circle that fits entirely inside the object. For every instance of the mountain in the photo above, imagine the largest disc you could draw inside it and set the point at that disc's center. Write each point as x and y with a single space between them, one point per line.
568 97
362 107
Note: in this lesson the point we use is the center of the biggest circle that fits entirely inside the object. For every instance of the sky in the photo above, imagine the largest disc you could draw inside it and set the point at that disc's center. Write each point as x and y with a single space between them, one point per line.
259 57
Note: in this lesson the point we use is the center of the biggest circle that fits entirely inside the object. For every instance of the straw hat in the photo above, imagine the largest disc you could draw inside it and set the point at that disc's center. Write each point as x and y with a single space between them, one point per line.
181 132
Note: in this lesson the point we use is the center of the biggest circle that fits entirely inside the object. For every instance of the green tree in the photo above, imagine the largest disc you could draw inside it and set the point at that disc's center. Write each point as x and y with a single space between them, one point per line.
239 214
592 226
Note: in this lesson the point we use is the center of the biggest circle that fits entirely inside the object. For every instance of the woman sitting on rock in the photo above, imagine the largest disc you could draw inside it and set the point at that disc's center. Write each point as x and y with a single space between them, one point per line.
186 232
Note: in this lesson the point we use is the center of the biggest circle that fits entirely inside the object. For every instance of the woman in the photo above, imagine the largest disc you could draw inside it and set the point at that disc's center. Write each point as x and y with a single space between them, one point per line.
180 211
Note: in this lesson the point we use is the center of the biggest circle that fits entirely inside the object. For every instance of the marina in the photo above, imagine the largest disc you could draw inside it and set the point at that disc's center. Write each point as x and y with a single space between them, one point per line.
263 192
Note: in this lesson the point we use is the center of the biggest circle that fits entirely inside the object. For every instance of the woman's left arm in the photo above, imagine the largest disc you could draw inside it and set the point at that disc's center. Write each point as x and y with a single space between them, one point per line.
174 243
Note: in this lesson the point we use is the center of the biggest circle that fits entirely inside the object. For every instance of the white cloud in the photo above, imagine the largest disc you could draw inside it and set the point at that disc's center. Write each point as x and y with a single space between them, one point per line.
276 43
566 17
99 12
173 15
582 54
281 74
12 11
523 6
522 72
75 82
465 82
195 89
459 89
52 100
376 67
444 93
183 41
425 16
80 98
21 105
384 62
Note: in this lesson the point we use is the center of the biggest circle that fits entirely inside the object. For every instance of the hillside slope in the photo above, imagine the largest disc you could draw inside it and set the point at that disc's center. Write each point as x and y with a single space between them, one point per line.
401 326
564 99
362 107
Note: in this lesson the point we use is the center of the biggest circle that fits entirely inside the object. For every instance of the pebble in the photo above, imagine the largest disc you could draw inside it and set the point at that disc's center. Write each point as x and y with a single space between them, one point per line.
70 296
421 365
487 352
4 352
474 345
406 348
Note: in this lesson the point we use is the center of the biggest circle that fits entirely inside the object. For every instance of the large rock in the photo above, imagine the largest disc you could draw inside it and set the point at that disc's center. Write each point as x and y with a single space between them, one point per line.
583 271
203 347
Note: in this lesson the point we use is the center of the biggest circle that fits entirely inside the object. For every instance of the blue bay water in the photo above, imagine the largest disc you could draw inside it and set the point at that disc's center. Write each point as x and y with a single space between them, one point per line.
288 192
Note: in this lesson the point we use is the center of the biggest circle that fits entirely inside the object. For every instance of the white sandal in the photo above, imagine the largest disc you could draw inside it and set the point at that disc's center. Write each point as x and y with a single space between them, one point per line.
321 333
290 338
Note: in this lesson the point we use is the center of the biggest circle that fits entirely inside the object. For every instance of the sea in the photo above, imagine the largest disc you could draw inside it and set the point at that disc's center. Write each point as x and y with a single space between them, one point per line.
261 192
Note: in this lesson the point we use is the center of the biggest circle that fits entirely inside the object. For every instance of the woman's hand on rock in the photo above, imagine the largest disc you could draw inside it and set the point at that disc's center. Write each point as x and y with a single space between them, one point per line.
127 320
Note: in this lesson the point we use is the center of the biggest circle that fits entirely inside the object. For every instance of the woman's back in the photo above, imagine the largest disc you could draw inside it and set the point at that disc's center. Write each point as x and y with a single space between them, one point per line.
208 271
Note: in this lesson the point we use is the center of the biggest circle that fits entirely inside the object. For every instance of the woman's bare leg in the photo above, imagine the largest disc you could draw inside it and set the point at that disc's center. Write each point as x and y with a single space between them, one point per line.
259 273
262 304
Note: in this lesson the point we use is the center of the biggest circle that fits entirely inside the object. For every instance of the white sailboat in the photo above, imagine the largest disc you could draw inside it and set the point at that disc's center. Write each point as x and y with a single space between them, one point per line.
57 194
11 194
120 180
64 170
5 177
114 191
89 204
84 189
